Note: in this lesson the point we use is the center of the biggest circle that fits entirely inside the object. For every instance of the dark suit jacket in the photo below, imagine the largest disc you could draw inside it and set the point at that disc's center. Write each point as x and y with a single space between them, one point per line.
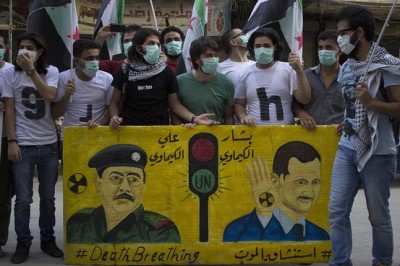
249 228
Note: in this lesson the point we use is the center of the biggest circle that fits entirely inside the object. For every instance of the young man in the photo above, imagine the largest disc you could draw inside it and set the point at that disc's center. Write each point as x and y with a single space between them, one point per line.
366 155
204 89
234 42
263 93
113 66
84 92
327 105
28 89
172 40
146 88
6 186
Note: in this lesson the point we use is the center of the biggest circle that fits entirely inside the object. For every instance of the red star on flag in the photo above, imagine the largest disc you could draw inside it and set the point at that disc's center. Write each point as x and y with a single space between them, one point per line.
75 37
190 23
300 40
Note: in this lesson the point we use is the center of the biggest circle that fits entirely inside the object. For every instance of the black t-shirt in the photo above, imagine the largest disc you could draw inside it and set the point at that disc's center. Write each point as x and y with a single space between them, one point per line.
146 101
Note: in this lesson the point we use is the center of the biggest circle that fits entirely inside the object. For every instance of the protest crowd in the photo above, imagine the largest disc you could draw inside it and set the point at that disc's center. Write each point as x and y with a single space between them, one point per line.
355 86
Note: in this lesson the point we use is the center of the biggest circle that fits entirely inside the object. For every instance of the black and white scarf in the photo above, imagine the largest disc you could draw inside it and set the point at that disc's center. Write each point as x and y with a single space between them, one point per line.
366 120
140 71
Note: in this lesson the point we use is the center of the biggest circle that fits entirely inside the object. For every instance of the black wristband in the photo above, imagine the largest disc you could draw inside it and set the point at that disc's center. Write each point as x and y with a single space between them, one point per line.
12 140
193 117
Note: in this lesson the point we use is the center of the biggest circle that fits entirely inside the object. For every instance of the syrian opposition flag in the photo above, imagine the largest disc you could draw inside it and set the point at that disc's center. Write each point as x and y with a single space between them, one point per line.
285 16
56 21
196 28
111 11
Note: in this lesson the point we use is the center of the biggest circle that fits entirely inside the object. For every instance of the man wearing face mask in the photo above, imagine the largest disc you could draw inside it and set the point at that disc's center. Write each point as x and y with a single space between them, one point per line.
366 155
6 187
113 66
172 40
204 89
263 93
146 88
234 42
28 90
327 105
85 91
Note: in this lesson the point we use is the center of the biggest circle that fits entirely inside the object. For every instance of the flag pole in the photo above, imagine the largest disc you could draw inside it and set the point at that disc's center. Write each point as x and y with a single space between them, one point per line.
293 45
71 43
379 39
154 15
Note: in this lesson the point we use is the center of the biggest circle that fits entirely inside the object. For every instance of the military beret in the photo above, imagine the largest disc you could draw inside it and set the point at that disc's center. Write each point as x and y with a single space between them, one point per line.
118 155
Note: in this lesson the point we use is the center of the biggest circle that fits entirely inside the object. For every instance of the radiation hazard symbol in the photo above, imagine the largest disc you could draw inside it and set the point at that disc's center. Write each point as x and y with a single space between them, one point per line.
266 199
77 183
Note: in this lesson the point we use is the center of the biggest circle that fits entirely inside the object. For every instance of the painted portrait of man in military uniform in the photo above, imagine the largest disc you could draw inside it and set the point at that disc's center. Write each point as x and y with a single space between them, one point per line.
121 218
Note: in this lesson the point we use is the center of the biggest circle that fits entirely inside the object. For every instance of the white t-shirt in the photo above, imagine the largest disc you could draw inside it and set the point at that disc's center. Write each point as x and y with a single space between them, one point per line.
6 66
267 93
233 69
34 124
90 100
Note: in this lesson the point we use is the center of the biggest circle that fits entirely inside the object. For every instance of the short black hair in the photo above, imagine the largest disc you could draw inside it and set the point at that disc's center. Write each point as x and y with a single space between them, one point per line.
139 39
358 16
169 29
38 41
328 35
273 35
226 40
84 44
132 28
199 46
302 151
129 29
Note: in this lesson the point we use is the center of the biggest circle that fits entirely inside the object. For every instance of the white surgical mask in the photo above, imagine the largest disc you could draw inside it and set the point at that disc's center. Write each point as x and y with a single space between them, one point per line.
345 45
32 54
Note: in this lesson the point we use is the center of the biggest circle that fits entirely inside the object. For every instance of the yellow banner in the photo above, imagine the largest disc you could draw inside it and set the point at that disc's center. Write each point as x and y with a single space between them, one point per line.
207 195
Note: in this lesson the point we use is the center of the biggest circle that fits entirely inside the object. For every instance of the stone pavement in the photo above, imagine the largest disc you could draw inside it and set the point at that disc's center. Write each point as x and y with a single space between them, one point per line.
361 255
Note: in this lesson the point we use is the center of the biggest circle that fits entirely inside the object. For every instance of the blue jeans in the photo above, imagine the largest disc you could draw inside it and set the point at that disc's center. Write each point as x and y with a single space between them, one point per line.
45 157
375 178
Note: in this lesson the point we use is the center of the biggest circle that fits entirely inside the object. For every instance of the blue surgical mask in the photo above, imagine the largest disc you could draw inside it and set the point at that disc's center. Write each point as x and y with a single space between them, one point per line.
245 40
174 48
91 68
152 54
2 51
127 45
32 54
210 65
327 57
264 55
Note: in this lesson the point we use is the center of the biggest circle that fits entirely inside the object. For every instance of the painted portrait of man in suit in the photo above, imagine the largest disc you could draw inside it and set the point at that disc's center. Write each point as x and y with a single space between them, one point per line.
282 198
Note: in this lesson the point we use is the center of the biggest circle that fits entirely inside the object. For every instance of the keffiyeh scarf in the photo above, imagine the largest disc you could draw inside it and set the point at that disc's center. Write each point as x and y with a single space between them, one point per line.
141 71
366 120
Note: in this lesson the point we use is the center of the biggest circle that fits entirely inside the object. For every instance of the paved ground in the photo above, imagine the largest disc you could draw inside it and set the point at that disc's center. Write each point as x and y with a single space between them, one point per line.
361 230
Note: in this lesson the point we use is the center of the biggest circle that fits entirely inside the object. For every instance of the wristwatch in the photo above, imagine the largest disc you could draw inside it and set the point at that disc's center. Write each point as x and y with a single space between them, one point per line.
30 72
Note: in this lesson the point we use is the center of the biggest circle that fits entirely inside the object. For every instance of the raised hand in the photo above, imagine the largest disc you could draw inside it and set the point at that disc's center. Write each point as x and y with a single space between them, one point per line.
264 193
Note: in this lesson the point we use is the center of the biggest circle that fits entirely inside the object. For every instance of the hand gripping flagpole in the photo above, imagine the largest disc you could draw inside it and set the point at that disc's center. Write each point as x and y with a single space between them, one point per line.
363 78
